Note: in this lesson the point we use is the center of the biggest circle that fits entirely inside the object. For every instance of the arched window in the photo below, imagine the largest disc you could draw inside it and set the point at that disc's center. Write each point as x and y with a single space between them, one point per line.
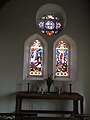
51 19
35 59
64 59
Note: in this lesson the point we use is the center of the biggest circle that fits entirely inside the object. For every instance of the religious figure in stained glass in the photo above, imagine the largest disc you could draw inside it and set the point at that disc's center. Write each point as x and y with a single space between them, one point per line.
36 59
62 59
50 24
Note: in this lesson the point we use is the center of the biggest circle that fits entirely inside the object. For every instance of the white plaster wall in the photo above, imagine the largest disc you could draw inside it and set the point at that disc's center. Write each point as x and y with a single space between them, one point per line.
17 23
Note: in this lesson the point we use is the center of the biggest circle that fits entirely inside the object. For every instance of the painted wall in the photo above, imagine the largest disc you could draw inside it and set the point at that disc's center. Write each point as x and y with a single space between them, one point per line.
17 23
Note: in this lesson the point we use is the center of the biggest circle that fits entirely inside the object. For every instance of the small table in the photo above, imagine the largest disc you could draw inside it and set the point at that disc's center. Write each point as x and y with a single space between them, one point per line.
75 97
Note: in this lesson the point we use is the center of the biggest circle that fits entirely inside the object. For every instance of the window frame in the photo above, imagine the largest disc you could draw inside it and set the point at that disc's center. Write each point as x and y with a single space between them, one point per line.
27 45
72 59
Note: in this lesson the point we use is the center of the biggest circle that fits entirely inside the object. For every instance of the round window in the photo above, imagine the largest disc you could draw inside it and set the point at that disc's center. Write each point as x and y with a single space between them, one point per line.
50 24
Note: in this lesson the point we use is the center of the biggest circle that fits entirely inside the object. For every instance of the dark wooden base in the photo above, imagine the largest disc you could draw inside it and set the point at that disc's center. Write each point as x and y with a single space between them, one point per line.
51 118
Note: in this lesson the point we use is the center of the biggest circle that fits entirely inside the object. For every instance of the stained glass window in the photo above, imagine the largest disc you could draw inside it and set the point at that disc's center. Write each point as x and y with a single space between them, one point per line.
36 59
62 59
50 24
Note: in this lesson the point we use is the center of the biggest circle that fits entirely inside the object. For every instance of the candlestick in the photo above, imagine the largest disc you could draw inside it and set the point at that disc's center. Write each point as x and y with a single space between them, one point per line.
41 90
28 84
37 88
70 88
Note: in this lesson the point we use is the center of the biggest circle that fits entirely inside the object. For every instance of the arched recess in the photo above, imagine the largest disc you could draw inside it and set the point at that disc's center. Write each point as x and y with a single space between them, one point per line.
72 59
51 19
27 45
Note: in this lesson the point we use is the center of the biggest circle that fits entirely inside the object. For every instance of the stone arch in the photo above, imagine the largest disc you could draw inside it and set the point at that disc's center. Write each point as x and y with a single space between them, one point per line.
27 44
72 59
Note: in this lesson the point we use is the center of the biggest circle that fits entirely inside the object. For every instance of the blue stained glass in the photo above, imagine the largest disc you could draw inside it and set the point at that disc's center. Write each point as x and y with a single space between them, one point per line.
58 25
57 52
36 59
49 25
41 24
62 54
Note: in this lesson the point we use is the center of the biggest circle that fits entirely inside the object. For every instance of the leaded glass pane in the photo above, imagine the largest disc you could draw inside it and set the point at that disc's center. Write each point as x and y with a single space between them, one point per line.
50 24
62 59
36 59
41 24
